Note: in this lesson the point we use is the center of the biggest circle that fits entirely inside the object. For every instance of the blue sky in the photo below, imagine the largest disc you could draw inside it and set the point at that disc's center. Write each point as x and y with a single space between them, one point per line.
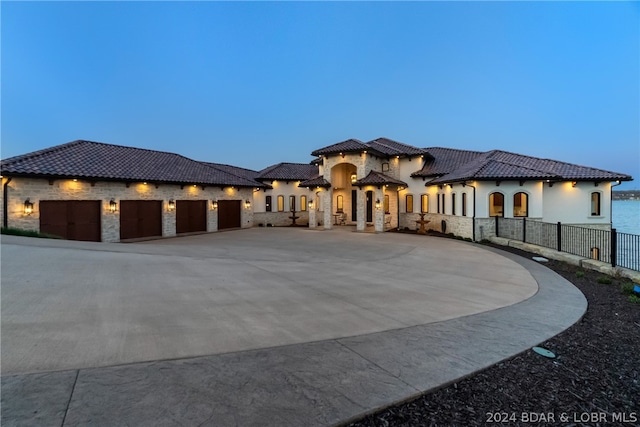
252 84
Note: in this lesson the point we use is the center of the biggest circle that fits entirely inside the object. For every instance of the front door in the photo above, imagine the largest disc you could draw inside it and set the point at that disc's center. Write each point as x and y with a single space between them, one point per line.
369 206
354 205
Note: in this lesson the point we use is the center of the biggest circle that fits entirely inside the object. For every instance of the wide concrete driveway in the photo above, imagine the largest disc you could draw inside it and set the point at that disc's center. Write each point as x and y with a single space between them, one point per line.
72 305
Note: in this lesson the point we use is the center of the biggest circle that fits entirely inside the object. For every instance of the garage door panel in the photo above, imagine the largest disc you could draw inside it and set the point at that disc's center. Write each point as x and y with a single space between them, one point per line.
151 218
53 218
84 222
71 219
140 218
191 216
229 214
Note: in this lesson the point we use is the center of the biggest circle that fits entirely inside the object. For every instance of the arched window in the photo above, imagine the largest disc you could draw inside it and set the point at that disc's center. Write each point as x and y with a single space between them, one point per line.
386 204
520 204
292 203
438 207
424 203
444 211
339 204
280 203
453 203
409 200
595 203
464 204
496 204
303 203
268 204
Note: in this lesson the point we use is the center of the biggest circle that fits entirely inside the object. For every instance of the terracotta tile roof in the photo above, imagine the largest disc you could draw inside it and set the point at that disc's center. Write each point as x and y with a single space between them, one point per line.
244 173
316 181
501 165
395 148
100 161
288 172
378 178
381 147
445 160
348 146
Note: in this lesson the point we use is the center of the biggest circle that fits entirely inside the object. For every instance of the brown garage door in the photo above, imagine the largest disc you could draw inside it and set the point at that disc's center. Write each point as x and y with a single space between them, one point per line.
229 214
191 216
140 218
71 219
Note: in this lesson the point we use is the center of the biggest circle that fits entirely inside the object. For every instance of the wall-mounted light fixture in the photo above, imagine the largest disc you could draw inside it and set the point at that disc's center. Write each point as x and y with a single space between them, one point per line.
378 204
112 206
28 207
310 203
574 183
214 204
171 205
247 203
354 178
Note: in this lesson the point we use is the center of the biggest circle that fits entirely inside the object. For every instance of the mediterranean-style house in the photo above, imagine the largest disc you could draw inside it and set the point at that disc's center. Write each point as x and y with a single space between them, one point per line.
94 191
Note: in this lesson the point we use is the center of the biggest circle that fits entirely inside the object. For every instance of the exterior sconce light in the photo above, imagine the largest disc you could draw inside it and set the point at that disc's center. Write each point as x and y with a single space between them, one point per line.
574 183
112 206
28 207
378 204
354 178
247 204
310 203
214 204
171 205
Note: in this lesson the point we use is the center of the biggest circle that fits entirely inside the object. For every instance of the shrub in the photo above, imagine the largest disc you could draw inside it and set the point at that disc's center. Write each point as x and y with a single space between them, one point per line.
634 299
26 233
627 288
604 280
579 274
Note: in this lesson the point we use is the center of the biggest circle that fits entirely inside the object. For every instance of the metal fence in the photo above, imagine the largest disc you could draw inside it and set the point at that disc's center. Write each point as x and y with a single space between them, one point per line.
610 246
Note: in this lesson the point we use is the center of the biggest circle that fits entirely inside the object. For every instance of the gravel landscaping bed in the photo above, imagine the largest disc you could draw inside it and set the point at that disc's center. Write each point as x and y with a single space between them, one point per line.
594 379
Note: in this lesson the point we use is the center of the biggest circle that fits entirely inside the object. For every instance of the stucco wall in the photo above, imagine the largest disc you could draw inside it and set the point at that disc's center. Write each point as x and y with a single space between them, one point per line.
280 188
572 205
19 189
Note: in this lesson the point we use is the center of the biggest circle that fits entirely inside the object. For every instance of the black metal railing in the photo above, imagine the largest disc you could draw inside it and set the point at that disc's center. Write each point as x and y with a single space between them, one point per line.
610 246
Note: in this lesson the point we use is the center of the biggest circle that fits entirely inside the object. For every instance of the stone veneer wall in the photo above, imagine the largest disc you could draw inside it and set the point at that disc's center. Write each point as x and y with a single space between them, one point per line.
458 225
279 219
19 189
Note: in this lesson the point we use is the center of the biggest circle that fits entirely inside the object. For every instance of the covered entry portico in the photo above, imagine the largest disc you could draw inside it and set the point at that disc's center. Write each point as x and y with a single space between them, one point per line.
361 185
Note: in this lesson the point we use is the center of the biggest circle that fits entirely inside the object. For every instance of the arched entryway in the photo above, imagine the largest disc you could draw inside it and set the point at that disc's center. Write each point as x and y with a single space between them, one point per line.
345 196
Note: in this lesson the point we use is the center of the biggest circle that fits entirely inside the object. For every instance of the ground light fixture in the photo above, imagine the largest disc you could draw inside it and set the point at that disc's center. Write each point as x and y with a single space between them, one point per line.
112 206
28 207
171 205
